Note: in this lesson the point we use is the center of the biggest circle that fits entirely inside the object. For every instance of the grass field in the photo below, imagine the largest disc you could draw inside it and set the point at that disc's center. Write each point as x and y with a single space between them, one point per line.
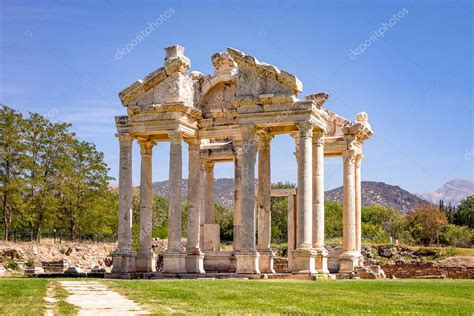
22 296
283 296
449 297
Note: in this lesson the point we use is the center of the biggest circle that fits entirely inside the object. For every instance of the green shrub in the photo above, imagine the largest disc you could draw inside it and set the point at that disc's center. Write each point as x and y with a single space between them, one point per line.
456 236
374 233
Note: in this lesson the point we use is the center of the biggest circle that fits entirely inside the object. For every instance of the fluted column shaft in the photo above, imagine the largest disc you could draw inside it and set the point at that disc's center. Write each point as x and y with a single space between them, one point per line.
175 188
146 197
264 191
305 190
237 195
248 191
318 190
349 215
209 217
358 204
194 199
125 194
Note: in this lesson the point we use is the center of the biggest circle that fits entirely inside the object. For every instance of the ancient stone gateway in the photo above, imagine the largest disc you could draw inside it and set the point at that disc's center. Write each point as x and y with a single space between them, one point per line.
232 115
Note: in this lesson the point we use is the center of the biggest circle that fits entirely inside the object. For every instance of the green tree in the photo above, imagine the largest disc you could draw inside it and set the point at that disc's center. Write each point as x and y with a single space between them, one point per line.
425 224
465 213
82 186
12 166
279 214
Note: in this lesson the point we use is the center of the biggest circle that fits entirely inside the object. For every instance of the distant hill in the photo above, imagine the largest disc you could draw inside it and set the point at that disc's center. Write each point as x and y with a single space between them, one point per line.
372 193
453 192
379 193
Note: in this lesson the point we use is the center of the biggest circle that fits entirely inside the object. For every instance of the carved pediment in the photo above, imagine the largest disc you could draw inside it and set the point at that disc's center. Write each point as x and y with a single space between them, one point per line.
255 79
166 85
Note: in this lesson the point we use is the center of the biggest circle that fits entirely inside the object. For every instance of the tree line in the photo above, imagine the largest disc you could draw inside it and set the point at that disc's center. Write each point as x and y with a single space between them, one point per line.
50 180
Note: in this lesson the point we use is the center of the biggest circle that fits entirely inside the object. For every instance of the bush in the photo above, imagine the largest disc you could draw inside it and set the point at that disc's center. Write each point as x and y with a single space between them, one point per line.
374 233
425 224
456 236
12 265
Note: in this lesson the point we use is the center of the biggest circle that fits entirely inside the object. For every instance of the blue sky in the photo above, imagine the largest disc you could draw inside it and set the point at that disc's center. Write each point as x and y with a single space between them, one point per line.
58 58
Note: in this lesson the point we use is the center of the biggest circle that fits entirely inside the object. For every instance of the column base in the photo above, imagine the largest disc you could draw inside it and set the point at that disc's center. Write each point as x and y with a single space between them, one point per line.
304 261
266 261
321 260
360 260
174 262
195 263
123 262
211 237
247 262
348 261
145 262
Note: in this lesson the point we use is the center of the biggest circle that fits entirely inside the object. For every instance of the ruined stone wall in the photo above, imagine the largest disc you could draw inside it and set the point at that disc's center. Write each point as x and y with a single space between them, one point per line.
426 269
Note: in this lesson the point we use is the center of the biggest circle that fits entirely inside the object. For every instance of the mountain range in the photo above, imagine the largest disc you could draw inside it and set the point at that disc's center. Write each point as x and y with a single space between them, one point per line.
373 193
453 192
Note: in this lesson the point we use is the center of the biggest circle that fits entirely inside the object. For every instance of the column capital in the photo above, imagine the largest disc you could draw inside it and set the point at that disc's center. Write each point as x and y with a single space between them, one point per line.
318 137
358 159
175 137
264 137
305 129
194 144
124 139
146 147
349 156
208 166
248 132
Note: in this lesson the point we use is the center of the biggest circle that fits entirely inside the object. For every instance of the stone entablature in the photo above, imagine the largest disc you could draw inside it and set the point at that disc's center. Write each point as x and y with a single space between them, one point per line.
232 115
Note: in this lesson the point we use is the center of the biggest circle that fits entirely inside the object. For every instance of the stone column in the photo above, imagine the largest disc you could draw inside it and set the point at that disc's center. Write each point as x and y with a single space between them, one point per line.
194 256
292 207
124 256
146 259
174 256
237 195
321 262
264 203
303 255
247 256
358 209
348 258
211 232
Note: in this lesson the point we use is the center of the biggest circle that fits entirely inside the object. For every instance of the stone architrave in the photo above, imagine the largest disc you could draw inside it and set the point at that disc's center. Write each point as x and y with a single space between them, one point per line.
304 255
175 254
318 203
247 256
124 256
264 203
146 259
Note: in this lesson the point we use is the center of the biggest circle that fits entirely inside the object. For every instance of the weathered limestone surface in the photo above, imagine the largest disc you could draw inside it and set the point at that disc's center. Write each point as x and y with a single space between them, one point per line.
318 203
194 256
264 203
229 116
124 256
146 259
174 256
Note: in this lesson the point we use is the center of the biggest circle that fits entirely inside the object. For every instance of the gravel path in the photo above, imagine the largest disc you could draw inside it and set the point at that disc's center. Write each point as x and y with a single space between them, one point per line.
94 298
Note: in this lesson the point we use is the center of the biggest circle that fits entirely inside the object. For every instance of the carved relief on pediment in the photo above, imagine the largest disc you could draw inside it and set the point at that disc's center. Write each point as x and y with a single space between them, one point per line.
219 99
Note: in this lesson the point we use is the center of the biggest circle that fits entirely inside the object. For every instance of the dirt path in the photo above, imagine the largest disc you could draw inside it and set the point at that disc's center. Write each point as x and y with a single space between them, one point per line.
94 298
